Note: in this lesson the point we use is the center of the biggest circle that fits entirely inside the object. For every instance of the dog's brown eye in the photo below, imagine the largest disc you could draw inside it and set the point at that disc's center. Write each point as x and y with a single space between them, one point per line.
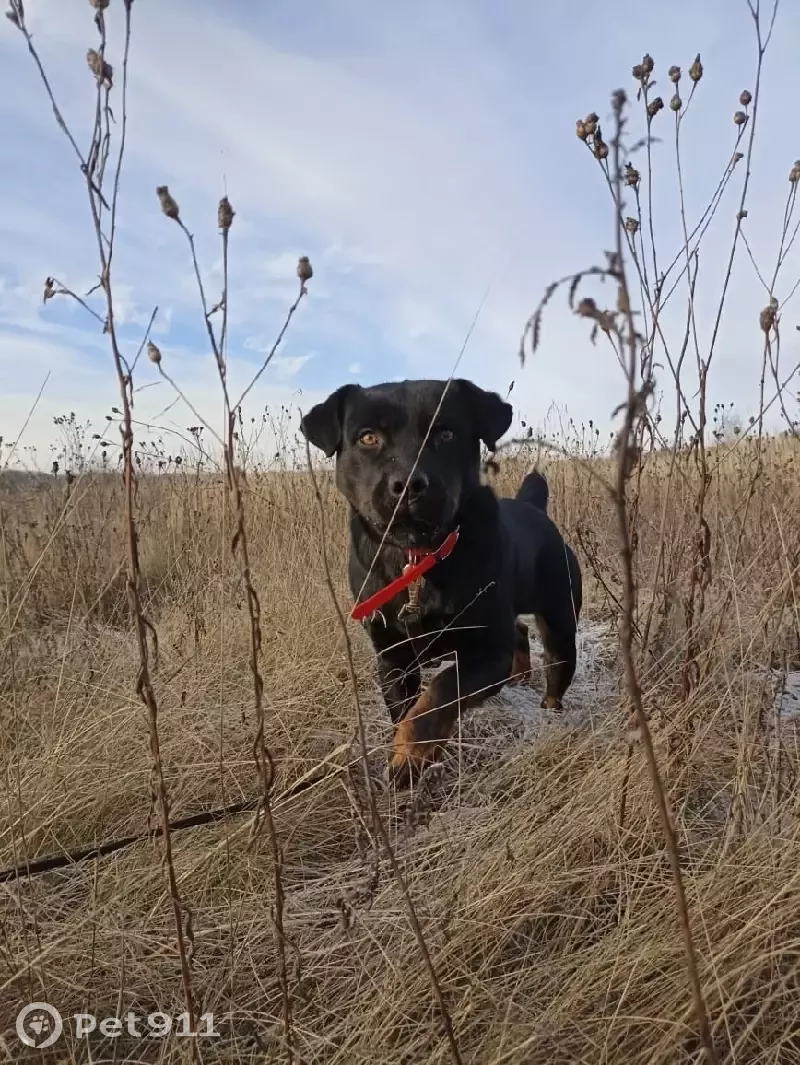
369 439
445 435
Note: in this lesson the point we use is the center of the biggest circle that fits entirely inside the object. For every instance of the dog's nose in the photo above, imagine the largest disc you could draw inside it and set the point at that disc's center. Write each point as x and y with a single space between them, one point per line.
417 485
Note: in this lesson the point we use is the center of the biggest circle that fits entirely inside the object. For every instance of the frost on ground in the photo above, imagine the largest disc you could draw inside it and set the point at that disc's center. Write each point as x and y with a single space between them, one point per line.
787 700
587 697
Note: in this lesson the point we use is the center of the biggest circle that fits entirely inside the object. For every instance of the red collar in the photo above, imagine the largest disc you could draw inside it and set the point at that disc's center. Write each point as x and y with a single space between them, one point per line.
420 560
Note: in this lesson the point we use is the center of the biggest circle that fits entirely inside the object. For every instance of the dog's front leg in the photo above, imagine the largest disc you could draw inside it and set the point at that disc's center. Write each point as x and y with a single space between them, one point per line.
421 735
398 674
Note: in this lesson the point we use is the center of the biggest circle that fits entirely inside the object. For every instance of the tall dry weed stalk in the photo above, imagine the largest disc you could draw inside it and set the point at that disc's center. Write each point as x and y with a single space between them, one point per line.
644 282
94 168
378 824
235 482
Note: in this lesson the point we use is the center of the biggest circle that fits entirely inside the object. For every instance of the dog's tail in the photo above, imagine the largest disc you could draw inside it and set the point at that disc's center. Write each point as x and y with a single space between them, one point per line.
534 490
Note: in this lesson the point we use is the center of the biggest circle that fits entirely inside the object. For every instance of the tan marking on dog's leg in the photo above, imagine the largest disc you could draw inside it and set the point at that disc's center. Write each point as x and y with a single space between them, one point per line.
420 737
559 664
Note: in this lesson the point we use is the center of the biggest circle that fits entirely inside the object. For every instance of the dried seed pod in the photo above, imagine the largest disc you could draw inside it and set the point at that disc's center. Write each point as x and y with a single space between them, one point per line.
676 103
696 69
632 175
638 72
769 315
654 106
95 61
739 118
674 74
153 353
225 214
102 71
794 173
99 5
632 224
745 97
581 130
168 204
647 63
304 270
600 148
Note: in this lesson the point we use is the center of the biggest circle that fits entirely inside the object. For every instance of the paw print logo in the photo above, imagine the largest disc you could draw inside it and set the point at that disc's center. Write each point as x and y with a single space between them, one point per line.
39 1025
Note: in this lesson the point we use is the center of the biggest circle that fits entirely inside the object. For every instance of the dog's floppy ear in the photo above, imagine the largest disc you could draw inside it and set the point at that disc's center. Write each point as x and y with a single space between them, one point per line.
491 414
322 426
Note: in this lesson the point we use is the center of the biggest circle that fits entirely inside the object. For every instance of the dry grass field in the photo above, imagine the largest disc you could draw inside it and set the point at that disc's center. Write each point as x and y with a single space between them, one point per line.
194 816
550 920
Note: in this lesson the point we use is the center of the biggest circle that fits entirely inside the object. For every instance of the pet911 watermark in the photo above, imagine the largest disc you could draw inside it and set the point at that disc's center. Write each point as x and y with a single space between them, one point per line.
40 1025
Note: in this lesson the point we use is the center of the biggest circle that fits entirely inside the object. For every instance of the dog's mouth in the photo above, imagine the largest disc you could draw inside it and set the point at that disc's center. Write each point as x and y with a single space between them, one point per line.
410 533
416 537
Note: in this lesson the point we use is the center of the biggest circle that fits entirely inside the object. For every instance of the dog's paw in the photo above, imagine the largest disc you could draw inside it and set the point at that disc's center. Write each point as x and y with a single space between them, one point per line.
551 702
409 756
406 764
400 774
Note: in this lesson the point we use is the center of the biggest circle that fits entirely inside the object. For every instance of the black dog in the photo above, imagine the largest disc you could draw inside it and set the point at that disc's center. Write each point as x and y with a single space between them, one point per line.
408 463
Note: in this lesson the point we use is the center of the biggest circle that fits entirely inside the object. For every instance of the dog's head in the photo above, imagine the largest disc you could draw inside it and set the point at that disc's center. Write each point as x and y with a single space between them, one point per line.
410 447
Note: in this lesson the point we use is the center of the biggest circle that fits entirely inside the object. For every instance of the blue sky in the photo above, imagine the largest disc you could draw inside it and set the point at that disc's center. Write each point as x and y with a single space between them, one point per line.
418 153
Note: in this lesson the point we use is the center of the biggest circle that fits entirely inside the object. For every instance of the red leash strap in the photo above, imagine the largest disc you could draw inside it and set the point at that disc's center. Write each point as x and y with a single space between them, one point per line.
420 561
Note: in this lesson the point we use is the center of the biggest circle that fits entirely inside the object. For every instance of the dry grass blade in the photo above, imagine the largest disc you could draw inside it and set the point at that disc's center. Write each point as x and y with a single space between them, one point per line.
377 821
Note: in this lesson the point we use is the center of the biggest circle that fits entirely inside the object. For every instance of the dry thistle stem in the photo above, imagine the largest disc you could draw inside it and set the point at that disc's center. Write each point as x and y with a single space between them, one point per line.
225 214
153 353
304 269
168 203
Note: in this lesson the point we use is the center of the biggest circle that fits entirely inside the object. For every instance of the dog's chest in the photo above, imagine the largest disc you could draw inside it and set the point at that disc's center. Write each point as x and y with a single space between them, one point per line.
425 609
